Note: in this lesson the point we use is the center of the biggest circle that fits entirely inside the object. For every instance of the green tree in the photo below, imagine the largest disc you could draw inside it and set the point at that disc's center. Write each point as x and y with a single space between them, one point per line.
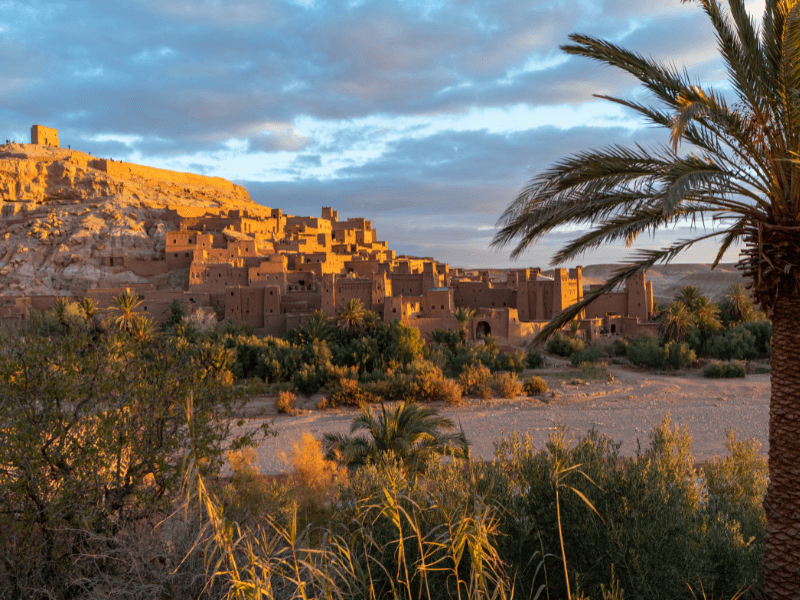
125 306
350 316
317 327
737 306
689 296
464 316
93 430
740 166
677 321
410 433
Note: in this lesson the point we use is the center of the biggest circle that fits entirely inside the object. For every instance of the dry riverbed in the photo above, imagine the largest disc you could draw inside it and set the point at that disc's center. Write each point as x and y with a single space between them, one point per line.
625 409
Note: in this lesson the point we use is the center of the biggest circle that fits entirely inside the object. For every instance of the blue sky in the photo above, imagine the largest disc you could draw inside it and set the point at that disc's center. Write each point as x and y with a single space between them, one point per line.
427 117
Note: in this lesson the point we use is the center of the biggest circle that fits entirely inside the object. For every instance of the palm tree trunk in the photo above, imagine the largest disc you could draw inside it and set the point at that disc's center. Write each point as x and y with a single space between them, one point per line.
782 537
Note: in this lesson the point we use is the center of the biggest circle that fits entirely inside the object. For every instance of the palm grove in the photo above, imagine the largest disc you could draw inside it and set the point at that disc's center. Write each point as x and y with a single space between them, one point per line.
732 159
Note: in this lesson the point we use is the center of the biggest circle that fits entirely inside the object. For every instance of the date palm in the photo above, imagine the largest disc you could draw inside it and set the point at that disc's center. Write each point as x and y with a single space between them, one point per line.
738 167
409 432
464 316
689 295
125 306
350 317
737 306
677 321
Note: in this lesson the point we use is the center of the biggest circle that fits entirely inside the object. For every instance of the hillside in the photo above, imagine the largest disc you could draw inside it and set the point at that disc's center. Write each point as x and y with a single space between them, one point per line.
66 213
669 279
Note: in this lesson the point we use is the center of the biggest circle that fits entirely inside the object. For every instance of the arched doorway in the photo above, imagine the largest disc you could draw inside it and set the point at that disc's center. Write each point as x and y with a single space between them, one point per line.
482 329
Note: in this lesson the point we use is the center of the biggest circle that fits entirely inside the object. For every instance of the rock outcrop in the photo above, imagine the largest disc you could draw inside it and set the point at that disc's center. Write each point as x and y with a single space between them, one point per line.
68 218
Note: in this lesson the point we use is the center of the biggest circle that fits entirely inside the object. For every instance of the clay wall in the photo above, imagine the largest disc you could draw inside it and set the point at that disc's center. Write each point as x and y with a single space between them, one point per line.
123 170
439 303
477 294
407 284
145 267
610 303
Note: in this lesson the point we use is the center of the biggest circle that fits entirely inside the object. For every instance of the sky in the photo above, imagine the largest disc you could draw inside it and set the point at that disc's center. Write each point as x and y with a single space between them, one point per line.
425 117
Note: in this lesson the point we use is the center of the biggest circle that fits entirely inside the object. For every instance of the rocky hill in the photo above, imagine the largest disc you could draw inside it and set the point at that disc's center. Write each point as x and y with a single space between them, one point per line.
65 214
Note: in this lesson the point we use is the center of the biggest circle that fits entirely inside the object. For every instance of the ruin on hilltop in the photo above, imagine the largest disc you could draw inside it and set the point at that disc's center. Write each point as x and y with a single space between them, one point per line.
74 225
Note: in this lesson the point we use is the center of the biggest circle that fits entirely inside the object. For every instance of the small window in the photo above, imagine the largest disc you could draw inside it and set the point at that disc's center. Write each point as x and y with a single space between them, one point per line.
187 255
176 255
231 293
270 293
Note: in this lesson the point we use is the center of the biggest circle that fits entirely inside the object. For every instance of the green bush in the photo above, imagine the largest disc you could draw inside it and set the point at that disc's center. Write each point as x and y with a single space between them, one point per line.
621 346
535 359
738 343
590 370
724 370
472 354
534 386
515 362
647 352
587 355
563 345
762 330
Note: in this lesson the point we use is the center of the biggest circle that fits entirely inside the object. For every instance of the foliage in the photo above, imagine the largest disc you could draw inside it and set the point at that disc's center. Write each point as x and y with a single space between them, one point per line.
534 386
677 321
446 337
535 359
724 370
351 316
590 370
410 433
621 346
587 355
737 306
508 385
516 362
563 345
350 393
737 344
316 327
285 403
646 351
464 316
93 431
475 380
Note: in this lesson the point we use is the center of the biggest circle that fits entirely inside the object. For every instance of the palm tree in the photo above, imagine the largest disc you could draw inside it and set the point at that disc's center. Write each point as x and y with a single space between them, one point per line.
89 307
125 304
737 306
317 327
142 328
689 296
464 316
350 317
410 433
677 322
741 169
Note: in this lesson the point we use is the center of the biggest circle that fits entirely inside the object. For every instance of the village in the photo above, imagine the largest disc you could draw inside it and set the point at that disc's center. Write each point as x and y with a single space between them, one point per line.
267 269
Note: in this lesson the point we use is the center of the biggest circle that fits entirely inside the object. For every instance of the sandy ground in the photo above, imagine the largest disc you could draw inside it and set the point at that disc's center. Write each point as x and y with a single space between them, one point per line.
625 409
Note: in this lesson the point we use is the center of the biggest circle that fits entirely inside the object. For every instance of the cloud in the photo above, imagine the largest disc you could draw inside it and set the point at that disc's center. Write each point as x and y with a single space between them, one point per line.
286 140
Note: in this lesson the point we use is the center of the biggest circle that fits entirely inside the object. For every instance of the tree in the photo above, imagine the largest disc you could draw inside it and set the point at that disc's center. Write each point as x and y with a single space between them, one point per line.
317 327
737 306
464 316
740 167
125 304
410 433
350 316
689 296
677 321
89 307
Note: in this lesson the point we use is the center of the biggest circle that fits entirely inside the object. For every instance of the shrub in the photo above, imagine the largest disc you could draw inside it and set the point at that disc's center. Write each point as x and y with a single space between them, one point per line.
285 403
563 345
475 380
535 359
508 385
351 394
724 370
534 386
621 346
587 355
735 344
679 356
314 478
762 330
590 370
515 362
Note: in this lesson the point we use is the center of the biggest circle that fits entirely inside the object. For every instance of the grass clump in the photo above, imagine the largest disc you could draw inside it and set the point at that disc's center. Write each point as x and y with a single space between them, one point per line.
508 385
533 386
724 370
564 345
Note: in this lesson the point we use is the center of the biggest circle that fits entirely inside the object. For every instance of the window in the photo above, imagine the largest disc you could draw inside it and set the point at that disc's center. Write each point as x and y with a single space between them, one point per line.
231 293
176 255
187 255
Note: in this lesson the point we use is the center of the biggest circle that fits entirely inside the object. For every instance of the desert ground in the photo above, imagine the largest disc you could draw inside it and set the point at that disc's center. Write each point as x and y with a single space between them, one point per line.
624 408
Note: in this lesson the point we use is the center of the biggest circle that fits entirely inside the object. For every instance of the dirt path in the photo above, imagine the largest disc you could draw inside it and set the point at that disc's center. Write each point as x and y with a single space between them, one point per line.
624 409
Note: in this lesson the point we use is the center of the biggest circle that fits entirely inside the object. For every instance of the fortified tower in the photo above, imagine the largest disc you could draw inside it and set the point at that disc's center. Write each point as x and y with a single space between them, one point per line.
44 136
